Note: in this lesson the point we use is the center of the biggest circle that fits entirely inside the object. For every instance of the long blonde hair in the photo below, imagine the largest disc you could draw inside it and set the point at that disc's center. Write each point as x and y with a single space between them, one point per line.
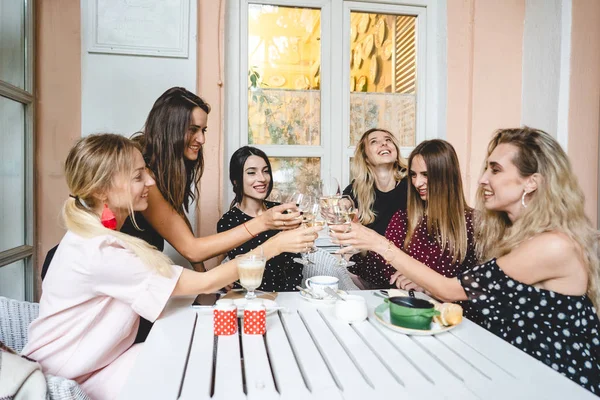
363 187
445 206
90 169
556 205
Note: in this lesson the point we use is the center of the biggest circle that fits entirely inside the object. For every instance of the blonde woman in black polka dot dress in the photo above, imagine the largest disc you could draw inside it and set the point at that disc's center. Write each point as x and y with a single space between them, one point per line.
250 175
435 199
539 288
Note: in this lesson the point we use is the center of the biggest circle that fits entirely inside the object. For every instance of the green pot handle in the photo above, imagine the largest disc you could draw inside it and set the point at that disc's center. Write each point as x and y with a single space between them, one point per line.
431 312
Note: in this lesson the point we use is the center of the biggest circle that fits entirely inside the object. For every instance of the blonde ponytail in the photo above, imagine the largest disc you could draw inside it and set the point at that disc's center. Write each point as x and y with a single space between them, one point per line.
90 168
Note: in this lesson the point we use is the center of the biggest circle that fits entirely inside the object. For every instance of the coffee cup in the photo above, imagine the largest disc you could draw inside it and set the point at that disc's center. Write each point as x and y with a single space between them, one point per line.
352 309
317 284
411 312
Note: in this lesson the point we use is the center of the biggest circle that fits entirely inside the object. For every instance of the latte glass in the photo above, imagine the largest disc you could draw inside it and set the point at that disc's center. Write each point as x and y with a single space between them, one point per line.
250 270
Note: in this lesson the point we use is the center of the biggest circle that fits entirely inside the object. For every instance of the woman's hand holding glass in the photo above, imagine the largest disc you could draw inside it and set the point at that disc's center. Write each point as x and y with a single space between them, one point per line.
311 218
292 241
282 217
357 238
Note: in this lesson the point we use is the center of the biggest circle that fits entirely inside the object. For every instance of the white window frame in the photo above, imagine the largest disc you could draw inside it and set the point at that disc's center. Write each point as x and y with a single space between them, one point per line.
26 97
335 28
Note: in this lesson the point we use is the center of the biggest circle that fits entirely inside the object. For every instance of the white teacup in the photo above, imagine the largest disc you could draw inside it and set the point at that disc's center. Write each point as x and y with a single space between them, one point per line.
317 284
353 309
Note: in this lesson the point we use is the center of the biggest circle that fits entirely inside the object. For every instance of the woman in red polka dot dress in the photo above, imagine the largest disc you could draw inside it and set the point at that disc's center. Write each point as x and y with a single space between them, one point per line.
436 228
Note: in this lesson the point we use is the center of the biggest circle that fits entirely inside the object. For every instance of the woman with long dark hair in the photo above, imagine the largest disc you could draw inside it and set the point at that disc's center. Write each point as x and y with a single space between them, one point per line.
172 145
252 179
437 226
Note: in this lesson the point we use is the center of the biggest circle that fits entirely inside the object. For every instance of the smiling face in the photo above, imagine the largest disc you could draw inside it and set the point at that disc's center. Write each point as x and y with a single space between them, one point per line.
131 189
257 177
501 182
194 138
380 149
418 176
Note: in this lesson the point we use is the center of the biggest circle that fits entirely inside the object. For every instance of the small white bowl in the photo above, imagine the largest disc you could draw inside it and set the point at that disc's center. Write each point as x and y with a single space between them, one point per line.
353 309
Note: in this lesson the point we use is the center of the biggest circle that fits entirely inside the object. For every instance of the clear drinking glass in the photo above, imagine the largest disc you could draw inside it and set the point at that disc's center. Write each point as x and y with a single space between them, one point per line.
345 212
310 218
250 270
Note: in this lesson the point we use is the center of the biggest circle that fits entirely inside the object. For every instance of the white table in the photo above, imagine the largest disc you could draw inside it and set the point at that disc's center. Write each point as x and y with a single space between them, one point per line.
308 354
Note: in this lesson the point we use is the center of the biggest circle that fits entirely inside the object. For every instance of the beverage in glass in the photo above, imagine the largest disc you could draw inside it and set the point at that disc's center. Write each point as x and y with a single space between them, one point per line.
250 270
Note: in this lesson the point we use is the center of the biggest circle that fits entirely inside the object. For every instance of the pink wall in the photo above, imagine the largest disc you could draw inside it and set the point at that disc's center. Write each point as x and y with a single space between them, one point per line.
211 27
58 113
485 42
584 100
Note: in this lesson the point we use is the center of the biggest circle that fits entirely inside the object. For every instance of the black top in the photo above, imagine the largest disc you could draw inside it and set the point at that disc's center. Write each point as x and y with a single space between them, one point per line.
559 330
281 274
147 232
386 204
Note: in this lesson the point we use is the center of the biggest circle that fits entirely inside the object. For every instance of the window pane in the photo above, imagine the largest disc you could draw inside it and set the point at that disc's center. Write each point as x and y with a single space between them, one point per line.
284 97
12 280
12 42
295 173
12 174
383 72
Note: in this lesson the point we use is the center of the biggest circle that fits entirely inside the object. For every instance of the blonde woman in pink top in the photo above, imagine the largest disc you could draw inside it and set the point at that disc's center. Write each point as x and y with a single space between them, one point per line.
102 280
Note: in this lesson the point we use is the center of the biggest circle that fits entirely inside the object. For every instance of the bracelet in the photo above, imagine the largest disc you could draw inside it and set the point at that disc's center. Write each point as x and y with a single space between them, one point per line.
388 249
248 230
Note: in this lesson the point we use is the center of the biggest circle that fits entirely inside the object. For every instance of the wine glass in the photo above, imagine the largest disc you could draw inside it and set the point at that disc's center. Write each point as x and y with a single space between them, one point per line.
297 198
345 211
310 218
330 187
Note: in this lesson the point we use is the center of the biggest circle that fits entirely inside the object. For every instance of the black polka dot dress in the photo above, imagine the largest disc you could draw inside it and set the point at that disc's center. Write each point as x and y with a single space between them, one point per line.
282 274
559 330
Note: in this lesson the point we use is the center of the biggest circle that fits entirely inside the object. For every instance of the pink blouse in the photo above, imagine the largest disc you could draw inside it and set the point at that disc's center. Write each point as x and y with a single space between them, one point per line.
93 295
422 247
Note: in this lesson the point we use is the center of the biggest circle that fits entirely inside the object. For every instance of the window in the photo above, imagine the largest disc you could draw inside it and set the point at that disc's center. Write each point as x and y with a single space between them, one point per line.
308 77
16 152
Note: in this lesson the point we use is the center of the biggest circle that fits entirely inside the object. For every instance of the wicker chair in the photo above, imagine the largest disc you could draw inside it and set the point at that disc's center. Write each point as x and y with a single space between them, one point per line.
15 317
327 264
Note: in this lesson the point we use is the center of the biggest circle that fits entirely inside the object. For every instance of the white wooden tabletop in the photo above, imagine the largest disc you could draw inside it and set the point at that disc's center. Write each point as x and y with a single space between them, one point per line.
308 354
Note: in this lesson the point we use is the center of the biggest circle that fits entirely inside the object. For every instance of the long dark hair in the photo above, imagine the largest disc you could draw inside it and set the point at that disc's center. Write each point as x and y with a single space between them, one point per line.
163 142
446 204
236 171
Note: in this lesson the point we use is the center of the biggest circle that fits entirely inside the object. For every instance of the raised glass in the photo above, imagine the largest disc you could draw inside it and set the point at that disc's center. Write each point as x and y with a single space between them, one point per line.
291 174
383 75
284 57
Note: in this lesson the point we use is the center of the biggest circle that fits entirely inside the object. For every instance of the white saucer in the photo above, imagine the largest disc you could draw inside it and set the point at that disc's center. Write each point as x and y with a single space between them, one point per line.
325 301
270 305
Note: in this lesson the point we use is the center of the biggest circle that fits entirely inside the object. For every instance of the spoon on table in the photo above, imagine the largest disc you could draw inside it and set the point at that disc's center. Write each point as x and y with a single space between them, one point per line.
308 291
333 293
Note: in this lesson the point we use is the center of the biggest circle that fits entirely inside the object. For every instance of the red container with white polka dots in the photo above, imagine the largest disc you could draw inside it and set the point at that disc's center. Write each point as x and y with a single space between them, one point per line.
225 318
255 319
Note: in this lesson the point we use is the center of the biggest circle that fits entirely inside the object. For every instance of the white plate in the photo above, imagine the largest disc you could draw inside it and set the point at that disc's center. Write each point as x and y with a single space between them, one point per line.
270 305
328 301
382 315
